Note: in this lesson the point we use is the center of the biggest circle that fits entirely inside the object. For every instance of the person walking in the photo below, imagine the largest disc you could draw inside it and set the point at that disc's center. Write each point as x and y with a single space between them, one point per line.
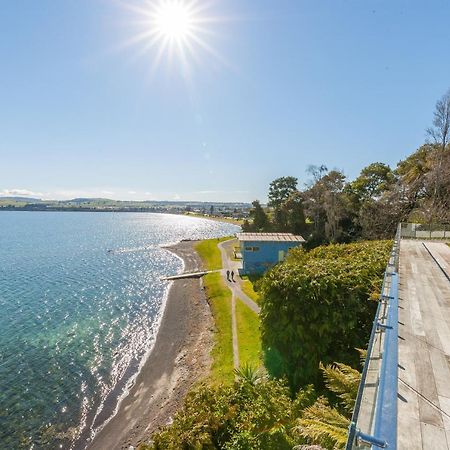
228 275
232 276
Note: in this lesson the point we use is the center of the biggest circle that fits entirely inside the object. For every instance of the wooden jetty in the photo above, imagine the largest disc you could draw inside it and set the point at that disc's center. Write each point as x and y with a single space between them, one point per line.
182 276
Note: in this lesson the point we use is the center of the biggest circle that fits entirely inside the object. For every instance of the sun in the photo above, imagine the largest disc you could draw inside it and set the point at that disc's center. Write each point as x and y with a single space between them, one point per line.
173 31
173 20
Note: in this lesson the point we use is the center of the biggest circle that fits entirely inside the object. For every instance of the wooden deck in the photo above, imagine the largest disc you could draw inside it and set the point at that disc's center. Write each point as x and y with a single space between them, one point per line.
424 347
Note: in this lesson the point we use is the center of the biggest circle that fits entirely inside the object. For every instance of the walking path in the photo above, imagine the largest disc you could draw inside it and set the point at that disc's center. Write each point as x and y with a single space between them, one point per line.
228 264
236 292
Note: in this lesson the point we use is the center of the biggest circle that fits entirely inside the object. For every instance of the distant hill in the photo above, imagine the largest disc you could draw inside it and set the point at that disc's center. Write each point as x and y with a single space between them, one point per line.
88 200
21 199
216 209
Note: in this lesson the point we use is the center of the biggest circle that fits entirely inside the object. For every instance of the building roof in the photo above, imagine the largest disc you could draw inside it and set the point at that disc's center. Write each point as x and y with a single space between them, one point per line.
269 237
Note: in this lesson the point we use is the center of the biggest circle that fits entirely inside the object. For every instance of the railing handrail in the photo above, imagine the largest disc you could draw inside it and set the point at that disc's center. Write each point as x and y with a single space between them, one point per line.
384 429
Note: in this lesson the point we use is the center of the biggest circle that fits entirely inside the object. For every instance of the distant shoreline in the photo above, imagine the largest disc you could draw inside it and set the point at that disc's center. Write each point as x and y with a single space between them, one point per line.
124 210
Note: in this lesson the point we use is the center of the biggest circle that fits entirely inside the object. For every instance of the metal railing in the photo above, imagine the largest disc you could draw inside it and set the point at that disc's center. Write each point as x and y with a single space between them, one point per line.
374 421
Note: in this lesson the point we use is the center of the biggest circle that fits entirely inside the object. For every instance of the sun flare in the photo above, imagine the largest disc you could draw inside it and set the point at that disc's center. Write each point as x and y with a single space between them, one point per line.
174 20
173 31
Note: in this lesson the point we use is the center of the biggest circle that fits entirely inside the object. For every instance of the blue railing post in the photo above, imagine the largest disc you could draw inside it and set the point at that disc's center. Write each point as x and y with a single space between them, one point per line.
386 406
381 432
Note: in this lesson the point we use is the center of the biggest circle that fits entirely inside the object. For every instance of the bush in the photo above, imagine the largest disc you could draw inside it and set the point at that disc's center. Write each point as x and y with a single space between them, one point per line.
252 414
315 307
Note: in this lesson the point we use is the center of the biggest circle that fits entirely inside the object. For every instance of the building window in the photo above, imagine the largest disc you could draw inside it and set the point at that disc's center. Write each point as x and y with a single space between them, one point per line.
252 249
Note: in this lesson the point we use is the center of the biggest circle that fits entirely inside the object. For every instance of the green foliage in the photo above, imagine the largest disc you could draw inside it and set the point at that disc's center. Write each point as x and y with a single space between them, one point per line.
287 214
295 214
210 253
281 189
373 180
247 415
372 205
260 219
324 425
257 413
315 307
327 204
248 373
344 381
248 286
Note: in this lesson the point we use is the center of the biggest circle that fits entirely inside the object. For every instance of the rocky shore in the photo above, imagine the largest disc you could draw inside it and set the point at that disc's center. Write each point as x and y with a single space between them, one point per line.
180 357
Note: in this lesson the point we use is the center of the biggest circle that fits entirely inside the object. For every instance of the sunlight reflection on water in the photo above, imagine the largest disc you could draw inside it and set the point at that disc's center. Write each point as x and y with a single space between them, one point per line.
76 319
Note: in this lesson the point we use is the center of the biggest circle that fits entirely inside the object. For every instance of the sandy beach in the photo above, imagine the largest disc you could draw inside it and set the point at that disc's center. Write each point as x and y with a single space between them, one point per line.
179 358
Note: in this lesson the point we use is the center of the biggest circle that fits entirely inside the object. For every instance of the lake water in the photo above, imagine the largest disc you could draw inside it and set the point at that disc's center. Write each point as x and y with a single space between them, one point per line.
80 303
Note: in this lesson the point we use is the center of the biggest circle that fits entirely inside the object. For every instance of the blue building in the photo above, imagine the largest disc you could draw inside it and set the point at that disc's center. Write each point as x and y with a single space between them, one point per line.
261 251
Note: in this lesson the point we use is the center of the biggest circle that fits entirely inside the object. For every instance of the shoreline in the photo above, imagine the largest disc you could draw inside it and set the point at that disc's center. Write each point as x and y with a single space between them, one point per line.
180 357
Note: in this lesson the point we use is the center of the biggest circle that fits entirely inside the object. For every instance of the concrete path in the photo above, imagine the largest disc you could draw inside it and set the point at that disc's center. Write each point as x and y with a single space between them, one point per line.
226 249
424 347
228 264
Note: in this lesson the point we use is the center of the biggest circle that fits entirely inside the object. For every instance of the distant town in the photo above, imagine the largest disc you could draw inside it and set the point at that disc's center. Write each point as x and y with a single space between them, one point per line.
217 210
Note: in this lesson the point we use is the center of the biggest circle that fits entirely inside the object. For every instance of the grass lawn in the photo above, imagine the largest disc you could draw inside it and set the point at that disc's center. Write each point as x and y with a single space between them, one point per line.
248 287
219 296
210 253
216 218
222 353
249 335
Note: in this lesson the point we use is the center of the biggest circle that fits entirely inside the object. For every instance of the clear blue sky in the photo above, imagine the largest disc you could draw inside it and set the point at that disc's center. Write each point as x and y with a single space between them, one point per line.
293 83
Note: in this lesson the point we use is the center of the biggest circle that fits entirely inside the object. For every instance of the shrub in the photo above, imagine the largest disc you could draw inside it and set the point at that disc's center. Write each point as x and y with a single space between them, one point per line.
315 307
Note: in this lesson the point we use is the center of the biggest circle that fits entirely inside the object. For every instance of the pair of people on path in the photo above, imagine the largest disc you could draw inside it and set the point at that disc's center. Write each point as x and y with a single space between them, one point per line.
232 275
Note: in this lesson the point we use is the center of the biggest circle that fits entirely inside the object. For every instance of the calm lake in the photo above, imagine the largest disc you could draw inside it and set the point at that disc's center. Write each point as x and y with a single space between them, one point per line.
80 304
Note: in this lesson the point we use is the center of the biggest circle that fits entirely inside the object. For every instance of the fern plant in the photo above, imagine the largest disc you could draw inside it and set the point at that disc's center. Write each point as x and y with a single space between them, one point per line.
344 381
324 424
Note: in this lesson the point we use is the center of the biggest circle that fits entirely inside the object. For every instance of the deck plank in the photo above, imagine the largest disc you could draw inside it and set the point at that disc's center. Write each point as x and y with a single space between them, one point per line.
424 348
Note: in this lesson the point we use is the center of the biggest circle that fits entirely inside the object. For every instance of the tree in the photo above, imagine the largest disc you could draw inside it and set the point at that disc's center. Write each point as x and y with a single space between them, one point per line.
423 186
317 172
260 219
326 204
440 131
440 135
280 190
373 181
333 183
293 206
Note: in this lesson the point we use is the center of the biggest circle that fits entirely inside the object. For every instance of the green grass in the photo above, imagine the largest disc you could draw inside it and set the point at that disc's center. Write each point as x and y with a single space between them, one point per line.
216 218
222 353
249 335
210 253
219 297
248 287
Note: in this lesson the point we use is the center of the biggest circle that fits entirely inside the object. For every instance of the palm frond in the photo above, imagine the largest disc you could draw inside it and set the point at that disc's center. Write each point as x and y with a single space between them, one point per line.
323 425
362 355
344 381
249 374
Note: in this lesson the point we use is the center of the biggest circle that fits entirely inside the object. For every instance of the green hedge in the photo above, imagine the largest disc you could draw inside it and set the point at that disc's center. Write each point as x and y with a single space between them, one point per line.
316 307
